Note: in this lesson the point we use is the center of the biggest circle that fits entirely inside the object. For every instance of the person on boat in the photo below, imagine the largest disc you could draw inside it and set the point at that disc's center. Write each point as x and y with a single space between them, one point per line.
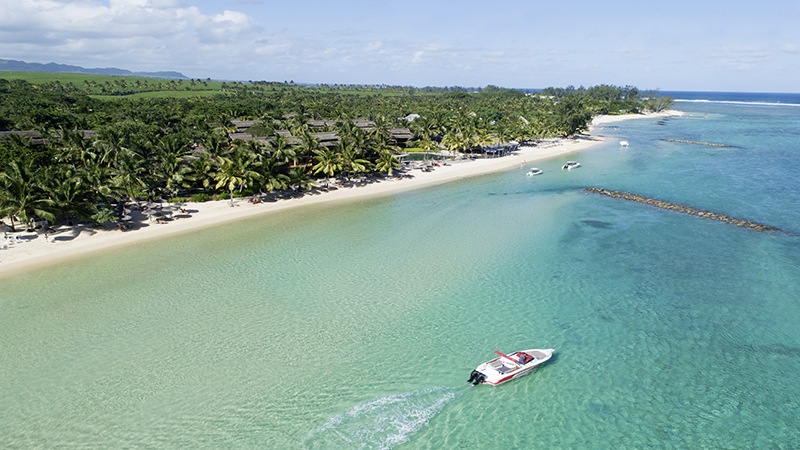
523 358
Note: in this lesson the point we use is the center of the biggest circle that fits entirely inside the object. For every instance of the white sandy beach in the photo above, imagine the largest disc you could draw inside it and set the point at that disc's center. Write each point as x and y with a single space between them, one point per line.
67 242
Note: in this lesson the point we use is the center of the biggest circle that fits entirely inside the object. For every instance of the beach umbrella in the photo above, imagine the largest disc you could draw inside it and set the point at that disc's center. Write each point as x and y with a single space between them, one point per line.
44 231
151 212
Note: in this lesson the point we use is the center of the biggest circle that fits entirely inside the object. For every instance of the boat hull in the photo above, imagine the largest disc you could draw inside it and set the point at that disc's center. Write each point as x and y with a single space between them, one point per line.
506 368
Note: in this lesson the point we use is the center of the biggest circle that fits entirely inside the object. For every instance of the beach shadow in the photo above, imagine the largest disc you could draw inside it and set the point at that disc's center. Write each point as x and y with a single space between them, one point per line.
22 236
72 232
294 194
585 137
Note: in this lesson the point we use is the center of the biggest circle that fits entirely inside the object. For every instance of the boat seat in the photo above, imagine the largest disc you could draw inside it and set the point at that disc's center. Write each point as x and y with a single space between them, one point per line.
537 355
496 364
505 369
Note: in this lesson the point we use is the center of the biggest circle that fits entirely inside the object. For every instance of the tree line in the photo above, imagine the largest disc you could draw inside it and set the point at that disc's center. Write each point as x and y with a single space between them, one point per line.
91 156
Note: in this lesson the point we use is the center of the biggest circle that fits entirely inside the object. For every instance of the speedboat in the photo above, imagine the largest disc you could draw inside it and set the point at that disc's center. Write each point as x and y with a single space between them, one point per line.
534 171
624 143
507 367
571 165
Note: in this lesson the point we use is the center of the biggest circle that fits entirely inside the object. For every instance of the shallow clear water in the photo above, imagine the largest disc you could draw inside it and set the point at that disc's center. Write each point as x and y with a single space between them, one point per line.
355 325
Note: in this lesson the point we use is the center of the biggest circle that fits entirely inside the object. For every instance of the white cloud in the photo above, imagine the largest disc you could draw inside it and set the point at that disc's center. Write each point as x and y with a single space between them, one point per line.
373 47
790 48
135 34
739 57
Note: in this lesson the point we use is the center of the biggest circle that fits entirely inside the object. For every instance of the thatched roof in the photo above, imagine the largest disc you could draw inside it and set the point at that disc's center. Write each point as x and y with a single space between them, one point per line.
322 123
327 138
242 125
401 134
36 137
363 123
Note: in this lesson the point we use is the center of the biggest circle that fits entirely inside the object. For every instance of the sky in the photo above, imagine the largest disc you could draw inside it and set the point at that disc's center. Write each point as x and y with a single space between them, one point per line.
699 45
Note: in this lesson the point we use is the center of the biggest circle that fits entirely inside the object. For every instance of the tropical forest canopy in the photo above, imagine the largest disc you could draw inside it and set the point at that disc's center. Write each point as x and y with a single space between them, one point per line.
82 149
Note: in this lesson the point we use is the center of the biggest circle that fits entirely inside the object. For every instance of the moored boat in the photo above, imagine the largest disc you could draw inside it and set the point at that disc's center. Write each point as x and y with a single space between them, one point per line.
624 143
508 367
534 171
571 165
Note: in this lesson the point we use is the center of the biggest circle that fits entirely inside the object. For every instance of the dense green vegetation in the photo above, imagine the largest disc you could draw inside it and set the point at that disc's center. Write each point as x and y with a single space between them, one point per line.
155 139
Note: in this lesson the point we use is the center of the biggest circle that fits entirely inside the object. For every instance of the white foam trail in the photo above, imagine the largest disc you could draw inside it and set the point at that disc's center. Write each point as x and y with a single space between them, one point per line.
381 423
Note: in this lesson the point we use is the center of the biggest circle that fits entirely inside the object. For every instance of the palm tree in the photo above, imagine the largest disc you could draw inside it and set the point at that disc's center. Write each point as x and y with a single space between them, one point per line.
452 141
236 171
170 156
426 144
328 162
350 158
502 135
23 196
280 149
271 177
300 178
127 173
75 149
386 162
484 138
111 144
308 145
97 180
68 191
216 145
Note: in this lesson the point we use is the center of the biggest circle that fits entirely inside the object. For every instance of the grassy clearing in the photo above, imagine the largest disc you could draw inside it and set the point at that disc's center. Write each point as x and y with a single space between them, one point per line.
102 87
78 78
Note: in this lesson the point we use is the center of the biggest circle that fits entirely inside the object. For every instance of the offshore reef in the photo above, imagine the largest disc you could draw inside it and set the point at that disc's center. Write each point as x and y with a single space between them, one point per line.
697 143
683 209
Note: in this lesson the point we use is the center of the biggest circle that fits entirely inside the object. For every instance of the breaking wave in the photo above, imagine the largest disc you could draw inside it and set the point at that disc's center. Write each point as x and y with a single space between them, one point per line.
734 102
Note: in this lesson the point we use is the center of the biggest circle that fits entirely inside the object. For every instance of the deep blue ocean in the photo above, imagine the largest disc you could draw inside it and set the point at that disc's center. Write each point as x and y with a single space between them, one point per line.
355 325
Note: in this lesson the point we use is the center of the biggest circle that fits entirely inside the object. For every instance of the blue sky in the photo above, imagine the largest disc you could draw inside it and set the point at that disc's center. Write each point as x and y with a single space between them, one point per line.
675 45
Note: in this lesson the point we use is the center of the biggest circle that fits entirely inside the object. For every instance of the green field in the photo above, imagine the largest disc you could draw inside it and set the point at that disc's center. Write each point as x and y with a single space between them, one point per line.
160 94
110 87
145 87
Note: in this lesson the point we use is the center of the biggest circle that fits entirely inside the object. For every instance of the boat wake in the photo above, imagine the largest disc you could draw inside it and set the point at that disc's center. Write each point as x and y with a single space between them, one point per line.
381 423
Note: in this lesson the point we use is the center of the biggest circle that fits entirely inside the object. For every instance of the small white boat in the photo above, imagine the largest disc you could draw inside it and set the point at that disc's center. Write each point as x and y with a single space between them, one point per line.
508 367
624 143
571 165
534 171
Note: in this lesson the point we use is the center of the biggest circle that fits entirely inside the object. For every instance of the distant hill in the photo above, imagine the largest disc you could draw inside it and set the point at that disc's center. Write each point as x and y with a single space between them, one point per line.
21 66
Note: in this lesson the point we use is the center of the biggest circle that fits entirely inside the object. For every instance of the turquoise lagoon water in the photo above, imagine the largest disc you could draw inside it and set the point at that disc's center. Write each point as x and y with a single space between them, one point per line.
355 325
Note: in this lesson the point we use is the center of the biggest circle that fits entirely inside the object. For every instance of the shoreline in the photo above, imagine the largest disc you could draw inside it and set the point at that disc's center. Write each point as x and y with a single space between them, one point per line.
82 239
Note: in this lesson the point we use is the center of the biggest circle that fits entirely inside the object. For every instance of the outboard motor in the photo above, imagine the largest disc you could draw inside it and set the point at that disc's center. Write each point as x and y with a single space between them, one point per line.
476 378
